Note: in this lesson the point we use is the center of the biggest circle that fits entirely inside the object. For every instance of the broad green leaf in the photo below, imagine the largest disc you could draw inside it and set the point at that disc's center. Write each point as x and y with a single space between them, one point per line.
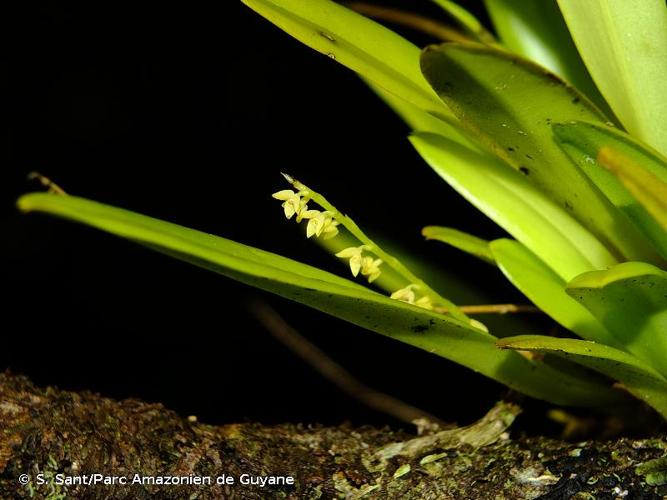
536 30
436 333
463 241
466 20
624 46
547 290
630 299
364 46
518 207
510 104
634 178
639 379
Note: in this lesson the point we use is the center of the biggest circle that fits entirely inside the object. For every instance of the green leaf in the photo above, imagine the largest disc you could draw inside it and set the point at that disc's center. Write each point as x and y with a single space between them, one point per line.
518 207
547 290
640 173
364 46
590 138
630 299
536 30
463 241
624 46
510 103
466 20
639 379
436 333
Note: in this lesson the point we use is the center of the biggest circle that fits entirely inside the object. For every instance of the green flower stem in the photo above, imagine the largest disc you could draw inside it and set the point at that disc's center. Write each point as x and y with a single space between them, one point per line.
373 247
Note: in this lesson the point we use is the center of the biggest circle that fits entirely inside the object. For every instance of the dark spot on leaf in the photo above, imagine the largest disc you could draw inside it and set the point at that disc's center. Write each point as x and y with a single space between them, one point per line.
524 170
575 100
551 76
511 149
568 205
420 328
529 157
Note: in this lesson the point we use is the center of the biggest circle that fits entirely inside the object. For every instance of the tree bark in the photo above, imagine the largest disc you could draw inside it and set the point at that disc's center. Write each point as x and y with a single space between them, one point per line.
48 434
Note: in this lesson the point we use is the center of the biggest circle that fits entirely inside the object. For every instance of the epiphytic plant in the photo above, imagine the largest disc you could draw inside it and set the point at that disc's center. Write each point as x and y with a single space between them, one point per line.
575 172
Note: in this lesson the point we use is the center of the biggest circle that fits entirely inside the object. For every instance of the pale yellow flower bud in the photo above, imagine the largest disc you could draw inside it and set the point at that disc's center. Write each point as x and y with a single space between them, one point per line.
424 302
406 294
292 203
371 267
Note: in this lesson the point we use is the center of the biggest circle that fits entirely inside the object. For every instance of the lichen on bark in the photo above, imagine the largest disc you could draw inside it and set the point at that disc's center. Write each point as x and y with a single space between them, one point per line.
50 432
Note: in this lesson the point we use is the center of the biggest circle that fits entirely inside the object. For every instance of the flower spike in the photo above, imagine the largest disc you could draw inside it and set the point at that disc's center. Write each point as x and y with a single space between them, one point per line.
368 259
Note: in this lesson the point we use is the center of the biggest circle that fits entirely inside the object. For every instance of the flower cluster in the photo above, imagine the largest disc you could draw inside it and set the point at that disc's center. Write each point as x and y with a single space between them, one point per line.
367 265
320 223
408 295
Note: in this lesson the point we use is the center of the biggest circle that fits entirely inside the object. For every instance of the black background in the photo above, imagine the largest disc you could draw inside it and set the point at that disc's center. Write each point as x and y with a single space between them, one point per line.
187 112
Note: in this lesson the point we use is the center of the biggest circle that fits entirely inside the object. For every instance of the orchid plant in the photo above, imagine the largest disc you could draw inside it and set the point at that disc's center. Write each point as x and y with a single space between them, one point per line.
554 127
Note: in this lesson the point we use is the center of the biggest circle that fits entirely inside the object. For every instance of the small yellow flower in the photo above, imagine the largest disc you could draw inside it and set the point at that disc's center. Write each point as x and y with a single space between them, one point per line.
330 230
371 267
320 223
406 294
292 202
424 302
354 254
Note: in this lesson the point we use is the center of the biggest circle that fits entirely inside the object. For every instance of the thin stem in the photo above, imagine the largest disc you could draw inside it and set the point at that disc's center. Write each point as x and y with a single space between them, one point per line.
331 370
409 20
494 309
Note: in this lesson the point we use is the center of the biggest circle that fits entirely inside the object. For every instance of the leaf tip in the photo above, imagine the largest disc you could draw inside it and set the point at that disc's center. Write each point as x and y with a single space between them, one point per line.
427 232
23 203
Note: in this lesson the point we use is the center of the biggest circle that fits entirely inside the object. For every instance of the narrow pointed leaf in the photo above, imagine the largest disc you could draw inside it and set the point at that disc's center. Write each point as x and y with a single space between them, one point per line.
466 20
633 177
639 379
463 241
630 299
328 293
510 104
536 30
624 46
518 207
364 46
547 290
